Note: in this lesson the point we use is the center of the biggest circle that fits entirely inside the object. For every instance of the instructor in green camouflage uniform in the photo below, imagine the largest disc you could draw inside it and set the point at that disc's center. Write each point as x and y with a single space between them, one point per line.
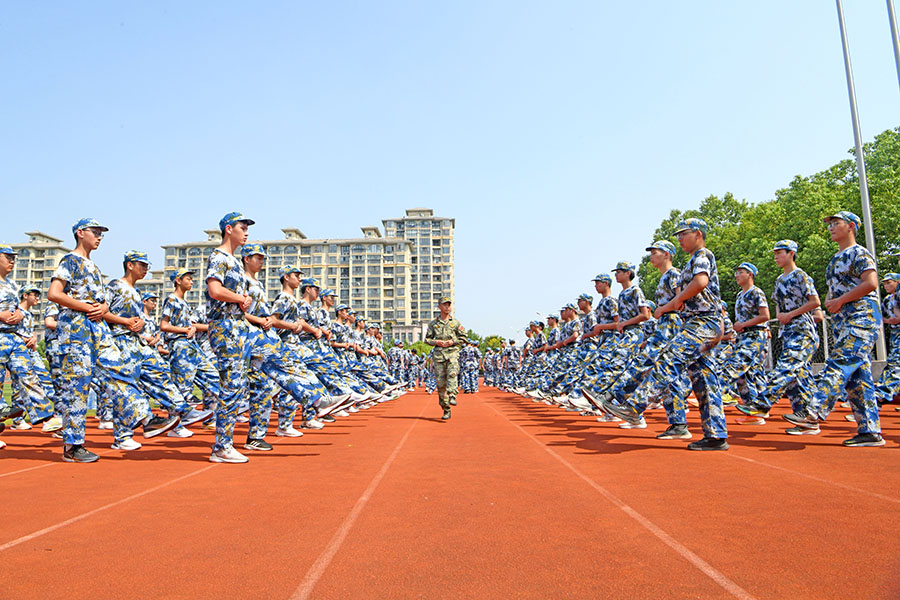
447 335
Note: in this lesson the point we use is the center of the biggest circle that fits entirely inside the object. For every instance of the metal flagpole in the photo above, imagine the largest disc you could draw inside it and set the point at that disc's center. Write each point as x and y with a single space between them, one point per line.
880 348
895 36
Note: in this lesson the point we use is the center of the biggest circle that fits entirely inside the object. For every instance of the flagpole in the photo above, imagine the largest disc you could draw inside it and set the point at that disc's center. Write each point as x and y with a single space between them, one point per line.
895 36
880 348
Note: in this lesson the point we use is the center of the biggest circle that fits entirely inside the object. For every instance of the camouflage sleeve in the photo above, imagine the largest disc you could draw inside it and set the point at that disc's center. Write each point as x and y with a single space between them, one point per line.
429 335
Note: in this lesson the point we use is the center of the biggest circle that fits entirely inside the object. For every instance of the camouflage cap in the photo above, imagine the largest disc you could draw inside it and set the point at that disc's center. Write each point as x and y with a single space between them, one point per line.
569 306
664 245
88 222
341 307
284 270
844 215
749 267
5 249
29 289
586 297
891 277
179 273
149 296
554 317
624 265
251 249
326 292
603 277
444 300
789 245
136 256
232 218
691 224
310 282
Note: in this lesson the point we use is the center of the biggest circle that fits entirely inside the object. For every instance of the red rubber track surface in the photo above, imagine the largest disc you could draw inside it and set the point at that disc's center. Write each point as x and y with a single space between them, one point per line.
509 499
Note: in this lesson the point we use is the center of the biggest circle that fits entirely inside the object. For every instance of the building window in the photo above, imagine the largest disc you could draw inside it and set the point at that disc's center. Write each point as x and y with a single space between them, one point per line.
332 248
373 281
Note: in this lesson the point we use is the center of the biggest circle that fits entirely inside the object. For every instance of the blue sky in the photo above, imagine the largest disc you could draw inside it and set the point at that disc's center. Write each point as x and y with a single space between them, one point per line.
557 134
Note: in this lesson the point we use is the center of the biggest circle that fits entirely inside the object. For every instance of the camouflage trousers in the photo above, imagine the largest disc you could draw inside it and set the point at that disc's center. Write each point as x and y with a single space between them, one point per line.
667 327
688 353
430 380
17 358
612 360
848 369
273 368
792 374
153 378
446 372
190 365
229 340
745 362
889 382
328 368
88 352
359 371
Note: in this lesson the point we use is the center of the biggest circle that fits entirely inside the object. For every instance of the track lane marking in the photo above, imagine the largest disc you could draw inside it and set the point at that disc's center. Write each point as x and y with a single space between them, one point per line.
318 568
704 567
90 513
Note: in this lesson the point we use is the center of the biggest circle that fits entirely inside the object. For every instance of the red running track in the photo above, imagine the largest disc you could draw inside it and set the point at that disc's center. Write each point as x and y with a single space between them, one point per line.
509 499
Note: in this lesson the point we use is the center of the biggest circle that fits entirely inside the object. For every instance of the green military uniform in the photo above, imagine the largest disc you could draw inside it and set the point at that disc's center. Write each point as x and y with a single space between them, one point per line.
446 360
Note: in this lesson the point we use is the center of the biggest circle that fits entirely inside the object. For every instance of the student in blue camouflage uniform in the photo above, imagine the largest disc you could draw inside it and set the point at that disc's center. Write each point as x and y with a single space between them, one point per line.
538 357
30 296
273 367
569 344
188 363
667 327
700 305
606 315
51 339
226 301
396 360
889 382
475 363
430 376
512 364
125 319
614 357
852 282
751 316
796 300
88 350
550 354
376 359
345 341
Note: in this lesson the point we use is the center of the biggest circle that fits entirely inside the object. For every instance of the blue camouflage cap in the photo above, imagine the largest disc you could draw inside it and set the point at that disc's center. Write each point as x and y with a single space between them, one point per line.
749 267
570 306
310 282
398 343
604 277
149 296
179 273
341 307
29 289
664 245
554 316
136 256
844 215
5 249
586 297
624 265
891 277
326 292
789 245
691 224
232 218
350 311
528 329
284 270
251 249
88 222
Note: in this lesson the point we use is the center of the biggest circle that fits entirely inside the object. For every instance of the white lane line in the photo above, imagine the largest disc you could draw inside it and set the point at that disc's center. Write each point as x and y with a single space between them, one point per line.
321 565
49 464
819 479
90 513
703 566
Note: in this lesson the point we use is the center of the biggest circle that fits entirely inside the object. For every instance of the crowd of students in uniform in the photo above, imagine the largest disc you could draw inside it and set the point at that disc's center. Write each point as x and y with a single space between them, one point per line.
238 357
622 356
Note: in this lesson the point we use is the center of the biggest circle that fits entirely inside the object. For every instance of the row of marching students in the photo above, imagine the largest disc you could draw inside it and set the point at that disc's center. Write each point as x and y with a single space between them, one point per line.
245 355
629 354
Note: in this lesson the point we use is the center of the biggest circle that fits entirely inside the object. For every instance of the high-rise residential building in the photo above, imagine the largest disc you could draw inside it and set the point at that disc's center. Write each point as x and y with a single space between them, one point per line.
35 266
393 279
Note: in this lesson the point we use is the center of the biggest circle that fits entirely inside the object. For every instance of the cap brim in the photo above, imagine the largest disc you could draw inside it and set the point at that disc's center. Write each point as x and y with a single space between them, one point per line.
832 218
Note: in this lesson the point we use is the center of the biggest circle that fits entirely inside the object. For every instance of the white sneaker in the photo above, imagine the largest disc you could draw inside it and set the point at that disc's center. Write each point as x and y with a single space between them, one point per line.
227 455
313 424
654 406
642 424
195 415
21 425
850 418
342 413
2 444
54 424
180 432
353 409
289 432
241 418
608 419
126 444
105 425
